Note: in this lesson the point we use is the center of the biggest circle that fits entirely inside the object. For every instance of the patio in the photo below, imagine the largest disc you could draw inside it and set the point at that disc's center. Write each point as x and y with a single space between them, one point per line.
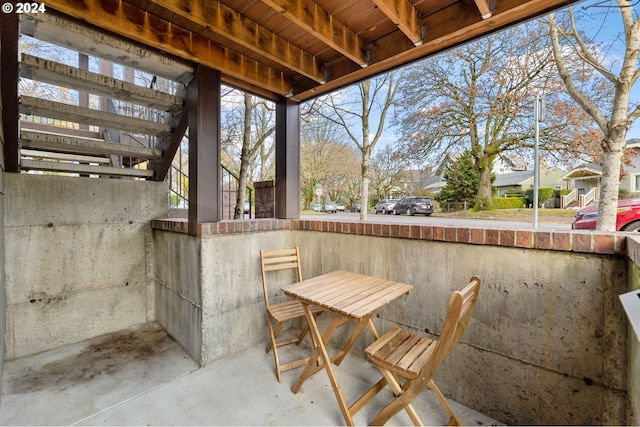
140 376
529 355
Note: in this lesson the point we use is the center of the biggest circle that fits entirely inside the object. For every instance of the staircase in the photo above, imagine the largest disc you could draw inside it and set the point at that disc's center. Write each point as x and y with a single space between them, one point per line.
131 132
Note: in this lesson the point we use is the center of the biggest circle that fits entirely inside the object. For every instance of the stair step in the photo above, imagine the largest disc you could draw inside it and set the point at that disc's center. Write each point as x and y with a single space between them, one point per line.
73 113
51 166
69 131
71 35
65 157
44 70
32 139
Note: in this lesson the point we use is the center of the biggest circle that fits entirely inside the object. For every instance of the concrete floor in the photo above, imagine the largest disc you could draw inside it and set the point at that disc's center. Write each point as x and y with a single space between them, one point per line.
142 377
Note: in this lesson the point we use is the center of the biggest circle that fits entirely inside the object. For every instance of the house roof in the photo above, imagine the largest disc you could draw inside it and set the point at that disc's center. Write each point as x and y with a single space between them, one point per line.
512 178
302 48
587 170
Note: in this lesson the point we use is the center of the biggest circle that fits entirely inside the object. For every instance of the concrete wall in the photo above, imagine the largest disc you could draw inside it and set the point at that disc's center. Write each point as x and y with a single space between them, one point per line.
79 258
548 343
548 337
209 293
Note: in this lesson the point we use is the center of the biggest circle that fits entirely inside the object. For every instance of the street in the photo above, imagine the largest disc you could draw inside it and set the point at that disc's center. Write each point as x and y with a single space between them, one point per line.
435 219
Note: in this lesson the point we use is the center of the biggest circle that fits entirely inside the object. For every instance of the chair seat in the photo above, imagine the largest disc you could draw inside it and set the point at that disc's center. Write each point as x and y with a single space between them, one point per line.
289 310
401 352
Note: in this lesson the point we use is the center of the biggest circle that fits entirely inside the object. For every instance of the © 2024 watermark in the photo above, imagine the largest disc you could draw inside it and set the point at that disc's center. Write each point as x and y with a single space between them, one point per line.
23 7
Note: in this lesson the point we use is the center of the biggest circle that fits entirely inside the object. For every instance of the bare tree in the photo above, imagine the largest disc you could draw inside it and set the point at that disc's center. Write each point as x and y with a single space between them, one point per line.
386 171
246 130
325 161
258 127
370 100
479 98
609 102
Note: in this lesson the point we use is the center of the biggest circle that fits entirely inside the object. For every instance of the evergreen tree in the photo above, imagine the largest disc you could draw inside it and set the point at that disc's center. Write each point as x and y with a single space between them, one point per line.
462 181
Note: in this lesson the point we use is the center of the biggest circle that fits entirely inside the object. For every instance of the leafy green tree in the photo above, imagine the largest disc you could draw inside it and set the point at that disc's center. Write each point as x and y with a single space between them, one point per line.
462 181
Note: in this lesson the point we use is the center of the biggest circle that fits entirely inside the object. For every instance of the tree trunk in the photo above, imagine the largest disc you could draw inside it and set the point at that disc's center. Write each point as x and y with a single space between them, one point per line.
364 203
244 159
611 163
483 166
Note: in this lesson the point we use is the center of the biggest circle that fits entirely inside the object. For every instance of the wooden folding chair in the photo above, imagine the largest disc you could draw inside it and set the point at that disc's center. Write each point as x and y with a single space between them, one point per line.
279 313
416 359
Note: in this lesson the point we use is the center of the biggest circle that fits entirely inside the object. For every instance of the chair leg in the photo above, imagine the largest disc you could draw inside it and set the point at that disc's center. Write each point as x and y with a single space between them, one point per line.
275 333
304 332
453 418
273 345
402 401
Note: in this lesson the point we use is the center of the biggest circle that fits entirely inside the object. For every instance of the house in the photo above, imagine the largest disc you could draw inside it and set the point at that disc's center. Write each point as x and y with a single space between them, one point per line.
507 163
503 164
586 179
523 180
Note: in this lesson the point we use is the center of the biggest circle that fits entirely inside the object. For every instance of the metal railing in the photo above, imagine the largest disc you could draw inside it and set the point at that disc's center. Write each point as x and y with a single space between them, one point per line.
230 182
179 192
178 188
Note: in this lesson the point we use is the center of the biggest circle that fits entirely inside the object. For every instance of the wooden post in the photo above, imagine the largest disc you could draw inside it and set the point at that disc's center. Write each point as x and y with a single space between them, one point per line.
203 100
287 159
9 88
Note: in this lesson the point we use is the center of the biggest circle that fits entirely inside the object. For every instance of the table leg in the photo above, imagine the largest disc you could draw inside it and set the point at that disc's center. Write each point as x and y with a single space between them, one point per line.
366 321
321 350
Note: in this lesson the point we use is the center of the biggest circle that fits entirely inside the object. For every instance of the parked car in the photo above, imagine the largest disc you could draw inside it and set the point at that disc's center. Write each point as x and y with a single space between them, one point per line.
356 207
330 207
627 219
412 205
385 206
340 206
317 207
247 206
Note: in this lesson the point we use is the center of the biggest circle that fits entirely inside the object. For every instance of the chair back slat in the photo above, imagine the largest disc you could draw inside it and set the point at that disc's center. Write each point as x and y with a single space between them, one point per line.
279 260
461 305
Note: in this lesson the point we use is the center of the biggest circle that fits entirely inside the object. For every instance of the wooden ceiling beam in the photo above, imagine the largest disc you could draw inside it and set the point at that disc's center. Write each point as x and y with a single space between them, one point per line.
311 17
228 23
405 17
446 29
485 8
136 24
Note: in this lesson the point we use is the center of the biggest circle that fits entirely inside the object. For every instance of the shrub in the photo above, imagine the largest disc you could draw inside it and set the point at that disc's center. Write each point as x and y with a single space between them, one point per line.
544 194
558 193
509 202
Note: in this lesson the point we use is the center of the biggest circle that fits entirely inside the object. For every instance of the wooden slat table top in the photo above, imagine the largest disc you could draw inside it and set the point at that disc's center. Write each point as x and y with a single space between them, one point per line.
347 293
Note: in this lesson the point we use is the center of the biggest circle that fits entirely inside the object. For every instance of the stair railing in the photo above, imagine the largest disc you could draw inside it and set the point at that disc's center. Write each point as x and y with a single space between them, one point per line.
569 198
179 192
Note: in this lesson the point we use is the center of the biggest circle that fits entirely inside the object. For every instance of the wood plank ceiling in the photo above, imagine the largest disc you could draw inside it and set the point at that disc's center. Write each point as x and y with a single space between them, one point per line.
302 48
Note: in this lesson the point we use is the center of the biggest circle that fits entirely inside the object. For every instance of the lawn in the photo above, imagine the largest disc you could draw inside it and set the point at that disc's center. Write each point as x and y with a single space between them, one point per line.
557 215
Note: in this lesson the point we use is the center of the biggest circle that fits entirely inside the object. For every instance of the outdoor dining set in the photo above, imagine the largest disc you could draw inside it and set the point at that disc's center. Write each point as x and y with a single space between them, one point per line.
407 361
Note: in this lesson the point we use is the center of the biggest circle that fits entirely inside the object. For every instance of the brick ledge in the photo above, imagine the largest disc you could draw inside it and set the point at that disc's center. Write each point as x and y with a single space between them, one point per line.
572 241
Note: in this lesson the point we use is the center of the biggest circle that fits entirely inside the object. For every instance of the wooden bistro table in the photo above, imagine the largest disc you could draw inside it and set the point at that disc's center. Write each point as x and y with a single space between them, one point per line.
349 297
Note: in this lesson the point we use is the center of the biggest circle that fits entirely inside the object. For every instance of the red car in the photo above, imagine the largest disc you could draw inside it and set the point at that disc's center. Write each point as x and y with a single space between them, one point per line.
628 218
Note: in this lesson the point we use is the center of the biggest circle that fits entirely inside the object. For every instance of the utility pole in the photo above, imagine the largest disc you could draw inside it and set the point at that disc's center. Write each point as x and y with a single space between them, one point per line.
539 113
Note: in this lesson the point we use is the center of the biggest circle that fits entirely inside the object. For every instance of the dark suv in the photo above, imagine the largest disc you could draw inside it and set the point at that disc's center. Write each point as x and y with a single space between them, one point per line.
412 205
